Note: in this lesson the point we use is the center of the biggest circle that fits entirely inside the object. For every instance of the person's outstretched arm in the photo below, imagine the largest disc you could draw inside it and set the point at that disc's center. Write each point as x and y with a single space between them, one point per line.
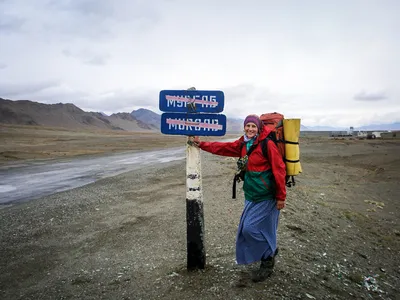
220 148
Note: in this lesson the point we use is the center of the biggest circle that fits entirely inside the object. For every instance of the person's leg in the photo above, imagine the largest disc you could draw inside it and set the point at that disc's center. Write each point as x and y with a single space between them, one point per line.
270 226
270 232
256 236
243 277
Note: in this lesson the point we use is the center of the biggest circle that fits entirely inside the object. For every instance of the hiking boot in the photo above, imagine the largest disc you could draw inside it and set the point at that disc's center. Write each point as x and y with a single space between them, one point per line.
266 268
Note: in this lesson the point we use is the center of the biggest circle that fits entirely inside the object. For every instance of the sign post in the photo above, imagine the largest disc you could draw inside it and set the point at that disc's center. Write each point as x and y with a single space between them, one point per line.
191 112
196 254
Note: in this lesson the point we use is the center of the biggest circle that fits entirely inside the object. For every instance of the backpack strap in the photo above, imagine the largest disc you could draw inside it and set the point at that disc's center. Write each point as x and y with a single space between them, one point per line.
264 143
234 187
264 147
252 147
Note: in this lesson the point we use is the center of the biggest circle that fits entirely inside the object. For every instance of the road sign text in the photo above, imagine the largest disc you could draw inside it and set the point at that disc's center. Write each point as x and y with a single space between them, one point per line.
193 124
191 101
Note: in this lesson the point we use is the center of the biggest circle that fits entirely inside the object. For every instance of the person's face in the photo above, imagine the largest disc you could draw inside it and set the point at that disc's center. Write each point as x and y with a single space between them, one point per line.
250 130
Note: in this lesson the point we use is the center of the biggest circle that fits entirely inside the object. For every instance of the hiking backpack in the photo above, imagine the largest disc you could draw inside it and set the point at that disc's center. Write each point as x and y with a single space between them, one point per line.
275 121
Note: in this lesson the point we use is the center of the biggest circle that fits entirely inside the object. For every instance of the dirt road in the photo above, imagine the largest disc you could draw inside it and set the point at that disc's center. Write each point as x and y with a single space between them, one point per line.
21 143
125 237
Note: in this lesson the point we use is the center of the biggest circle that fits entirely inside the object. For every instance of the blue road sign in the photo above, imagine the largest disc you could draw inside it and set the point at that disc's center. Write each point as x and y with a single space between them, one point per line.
192 101
193 124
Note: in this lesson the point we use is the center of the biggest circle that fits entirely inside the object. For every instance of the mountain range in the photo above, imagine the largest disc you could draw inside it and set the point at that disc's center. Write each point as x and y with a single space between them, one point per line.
26 112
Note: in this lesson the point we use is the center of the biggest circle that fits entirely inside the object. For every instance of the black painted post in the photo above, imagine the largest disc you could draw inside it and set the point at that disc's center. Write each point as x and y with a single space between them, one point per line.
196 255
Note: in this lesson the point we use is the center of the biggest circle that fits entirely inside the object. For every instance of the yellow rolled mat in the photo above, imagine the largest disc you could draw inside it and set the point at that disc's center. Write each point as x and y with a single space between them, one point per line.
291 132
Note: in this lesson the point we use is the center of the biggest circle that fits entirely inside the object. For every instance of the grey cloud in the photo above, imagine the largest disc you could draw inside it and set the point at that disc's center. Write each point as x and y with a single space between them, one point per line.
121 12
76 97
364 96
67 52
101 19
102 8
244 99
96 61
10 23
87 57
16 90
239 98
45 92
67 20
124 100
3 66
86 19
73 27
249 94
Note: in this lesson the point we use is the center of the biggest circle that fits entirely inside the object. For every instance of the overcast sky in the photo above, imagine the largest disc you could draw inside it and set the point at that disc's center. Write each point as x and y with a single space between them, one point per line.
327 62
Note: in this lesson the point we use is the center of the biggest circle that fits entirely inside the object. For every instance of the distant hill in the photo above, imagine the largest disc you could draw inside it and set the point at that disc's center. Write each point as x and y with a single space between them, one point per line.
148 117
128 122
68 115
393 126
234 125
326 128
25 112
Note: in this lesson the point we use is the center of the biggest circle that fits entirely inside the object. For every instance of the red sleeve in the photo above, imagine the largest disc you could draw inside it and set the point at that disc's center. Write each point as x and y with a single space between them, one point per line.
278 169
223 148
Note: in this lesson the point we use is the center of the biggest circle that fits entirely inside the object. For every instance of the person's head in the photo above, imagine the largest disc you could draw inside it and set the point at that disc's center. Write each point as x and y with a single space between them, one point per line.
252 125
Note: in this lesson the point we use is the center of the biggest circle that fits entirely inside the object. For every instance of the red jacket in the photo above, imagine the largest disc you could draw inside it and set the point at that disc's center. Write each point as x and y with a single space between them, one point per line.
265 177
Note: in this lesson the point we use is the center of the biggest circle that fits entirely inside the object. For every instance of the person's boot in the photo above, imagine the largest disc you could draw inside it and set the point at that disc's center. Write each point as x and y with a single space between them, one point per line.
266 268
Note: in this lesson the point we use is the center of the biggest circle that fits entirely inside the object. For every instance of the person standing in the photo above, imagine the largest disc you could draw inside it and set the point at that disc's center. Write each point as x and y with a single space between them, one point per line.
264 192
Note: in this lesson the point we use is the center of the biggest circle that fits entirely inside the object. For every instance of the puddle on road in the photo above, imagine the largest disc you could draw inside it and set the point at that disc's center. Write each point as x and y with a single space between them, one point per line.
7 188
30 182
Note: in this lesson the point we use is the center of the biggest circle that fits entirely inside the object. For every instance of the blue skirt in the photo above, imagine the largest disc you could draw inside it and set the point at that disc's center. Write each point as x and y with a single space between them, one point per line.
257 232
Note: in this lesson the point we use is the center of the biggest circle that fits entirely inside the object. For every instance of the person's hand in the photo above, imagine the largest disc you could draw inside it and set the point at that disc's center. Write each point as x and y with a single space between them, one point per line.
196 140
280 204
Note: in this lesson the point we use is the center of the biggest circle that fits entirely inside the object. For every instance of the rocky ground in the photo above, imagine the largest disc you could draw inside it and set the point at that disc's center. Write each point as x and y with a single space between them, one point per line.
125 237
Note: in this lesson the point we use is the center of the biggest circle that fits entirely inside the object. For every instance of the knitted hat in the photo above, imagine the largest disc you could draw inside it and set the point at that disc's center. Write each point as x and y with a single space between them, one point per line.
254 119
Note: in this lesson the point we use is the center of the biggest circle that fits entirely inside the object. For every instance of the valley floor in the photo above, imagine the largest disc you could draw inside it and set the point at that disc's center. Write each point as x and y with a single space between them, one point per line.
125 237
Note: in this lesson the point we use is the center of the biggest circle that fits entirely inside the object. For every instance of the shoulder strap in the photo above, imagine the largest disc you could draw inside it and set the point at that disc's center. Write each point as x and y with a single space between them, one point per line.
252 147
264 143
264 147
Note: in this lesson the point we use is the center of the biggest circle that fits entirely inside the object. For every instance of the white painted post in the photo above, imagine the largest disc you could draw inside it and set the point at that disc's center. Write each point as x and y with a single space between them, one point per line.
196 256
